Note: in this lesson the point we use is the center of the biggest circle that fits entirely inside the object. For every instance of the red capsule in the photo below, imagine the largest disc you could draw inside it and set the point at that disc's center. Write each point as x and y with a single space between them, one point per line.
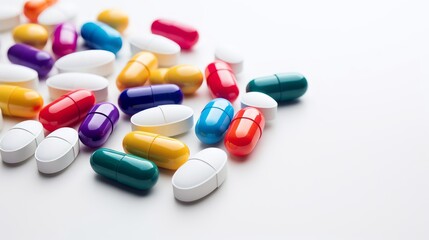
185 36
67 110
221 81
245 131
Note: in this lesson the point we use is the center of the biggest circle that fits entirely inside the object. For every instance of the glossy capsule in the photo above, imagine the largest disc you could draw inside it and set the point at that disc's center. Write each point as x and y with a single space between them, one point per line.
20 102
214 121
245 131
31 34
134 100
165 152
115 18
188 77
98 35
64 39
137 71
221 81
184 35
98 125
67 110
33 8
126 169
31 57
281 87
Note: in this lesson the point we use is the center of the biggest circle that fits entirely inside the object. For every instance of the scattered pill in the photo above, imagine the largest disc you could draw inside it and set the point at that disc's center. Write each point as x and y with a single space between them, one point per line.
57 151
64 39
115 18
124 168
200 175
20 142
9 18
184 35
33 8
166 51
281 87
98 62
137 71
98 35
20 102
261 101
214 121
31 57
165 152
31 34
134 100
166 120
245 131
221 81
231 56
98 125
17 75
67 110
57 14
63 83
188 77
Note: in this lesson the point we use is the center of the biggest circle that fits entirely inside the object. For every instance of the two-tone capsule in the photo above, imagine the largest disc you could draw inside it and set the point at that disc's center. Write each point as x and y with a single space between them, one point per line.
188 77
137 71
221 81
98 35
165 152
20 102
214 121
31 57
124 168
98 125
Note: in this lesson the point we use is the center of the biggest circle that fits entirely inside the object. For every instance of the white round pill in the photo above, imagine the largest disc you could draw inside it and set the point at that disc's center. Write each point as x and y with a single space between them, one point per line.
57 14
231 56
261 101
9 17
166 51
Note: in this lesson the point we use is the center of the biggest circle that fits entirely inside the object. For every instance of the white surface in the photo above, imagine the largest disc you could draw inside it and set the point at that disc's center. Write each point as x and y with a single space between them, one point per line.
98 62
261 101
348 161
63 83
18 75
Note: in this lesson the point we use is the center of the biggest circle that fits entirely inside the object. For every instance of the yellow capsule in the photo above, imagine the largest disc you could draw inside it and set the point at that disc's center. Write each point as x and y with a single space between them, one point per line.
189 78
115 18
20 102
31 34
165 152
137 70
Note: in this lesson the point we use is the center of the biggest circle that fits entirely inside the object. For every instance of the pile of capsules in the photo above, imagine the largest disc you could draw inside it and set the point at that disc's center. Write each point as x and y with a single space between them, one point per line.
79 91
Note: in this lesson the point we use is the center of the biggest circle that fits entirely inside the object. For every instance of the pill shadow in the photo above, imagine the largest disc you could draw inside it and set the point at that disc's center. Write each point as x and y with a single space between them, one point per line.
166 172
193 203
290 103
15 165
122 187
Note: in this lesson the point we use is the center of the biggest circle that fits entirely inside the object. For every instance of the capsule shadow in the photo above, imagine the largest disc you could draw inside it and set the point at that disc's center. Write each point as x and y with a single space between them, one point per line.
167 172
290 103
14 165
122 187
189 204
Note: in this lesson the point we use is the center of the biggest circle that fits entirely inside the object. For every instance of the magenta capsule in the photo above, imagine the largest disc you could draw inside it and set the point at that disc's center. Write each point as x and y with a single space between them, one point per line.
64 39
184 35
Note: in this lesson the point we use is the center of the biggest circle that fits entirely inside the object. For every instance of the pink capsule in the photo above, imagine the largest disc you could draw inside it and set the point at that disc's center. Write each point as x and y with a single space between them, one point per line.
64 39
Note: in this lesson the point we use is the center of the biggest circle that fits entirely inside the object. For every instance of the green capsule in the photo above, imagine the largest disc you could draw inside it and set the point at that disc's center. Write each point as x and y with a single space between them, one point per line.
127 169
281 87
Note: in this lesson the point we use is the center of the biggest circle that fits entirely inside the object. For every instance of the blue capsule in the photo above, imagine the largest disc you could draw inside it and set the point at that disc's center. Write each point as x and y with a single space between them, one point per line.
98 35
134 100
214 121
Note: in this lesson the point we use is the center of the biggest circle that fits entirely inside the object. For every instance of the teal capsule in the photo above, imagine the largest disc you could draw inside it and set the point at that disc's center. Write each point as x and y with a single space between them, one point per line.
282 87
127 169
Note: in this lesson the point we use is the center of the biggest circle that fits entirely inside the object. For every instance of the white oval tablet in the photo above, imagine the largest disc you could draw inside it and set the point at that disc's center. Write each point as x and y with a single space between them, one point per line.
98 62
18 75
63 83
166 51
200 175
9 17
56 14
231 56
168 120
57 151
21 141
261 101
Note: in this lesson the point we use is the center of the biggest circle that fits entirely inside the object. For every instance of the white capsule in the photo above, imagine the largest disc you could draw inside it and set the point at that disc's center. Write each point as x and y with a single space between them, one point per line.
63 83
57 14
200 175
9 17
167 120
57 151
166 51
98 62
231 56
20 142
261 101
17 75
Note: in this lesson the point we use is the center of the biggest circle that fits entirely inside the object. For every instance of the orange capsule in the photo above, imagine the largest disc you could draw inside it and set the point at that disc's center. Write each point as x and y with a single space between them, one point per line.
33 8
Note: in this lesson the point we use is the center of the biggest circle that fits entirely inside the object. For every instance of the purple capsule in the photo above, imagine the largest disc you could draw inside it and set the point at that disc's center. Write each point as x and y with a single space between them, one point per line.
64 39
31 57
98 124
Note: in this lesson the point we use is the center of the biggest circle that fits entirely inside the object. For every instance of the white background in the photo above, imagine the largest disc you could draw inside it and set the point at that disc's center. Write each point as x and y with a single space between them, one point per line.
349 161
